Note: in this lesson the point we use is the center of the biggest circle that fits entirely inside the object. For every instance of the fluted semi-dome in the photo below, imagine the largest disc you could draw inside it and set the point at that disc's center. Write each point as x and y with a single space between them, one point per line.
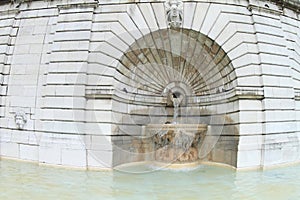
176 58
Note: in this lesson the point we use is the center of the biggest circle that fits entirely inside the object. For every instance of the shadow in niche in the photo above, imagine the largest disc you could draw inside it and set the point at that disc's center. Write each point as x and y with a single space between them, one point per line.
168 62
143 141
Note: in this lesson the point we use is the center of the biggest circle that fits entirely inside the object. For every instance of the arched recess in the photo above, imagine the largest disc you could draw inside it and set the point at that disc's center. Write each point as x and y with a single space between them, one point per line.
170 61
186 56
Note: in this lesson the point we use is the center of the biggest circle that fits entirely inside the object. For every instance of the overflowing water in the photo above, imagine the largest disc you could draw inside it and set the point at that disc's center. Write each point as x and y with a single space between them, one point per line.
28 181
176 98
175 115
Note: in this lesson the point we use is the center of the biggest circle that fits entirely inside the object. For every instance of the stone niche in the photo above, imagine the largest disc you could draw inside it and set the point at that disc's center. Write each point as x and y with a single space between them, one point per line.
177 144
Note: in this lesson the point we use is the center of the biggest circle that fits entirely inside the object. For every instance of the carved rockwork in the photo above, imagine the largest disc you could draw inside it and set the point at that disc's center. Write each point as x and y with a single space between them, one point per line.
177 143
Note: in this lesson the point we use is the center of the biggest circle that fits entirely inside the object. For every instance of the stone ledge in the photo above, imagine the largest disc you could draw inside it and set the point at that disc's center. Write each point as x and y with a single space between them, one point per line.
109 92
78 5
290 4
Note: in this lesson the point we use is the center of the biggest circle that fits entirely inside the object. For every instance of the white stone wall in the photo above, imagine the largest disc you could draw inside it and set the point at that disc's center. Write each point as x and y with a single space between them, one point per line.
53 53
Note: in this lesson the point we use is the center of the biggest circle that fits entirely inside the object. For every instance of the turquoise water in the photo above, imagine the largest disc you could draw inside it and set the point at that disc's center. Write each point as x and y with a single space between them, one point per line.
20 180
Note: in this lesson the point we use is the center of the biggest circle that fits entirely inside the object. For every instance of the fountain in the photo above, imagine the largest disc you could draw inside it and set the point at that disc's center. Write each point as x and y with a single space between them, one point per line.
173 139
175 142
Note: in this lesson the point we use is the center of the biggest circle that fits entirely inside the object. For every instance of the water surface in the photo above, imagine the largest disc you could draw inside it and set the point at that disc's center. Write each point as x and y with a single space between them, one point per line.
20 180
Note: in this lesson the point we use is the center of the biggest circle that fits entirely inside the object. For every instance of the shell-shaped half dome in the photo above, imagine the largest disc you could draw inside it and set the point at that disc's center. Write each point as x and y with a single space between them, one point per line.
176 60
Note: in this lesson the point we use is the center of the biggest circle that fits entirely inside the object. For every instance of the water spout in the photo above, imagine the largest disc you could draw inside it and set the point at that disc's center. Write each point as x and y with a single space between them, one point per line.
176 99
175 115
